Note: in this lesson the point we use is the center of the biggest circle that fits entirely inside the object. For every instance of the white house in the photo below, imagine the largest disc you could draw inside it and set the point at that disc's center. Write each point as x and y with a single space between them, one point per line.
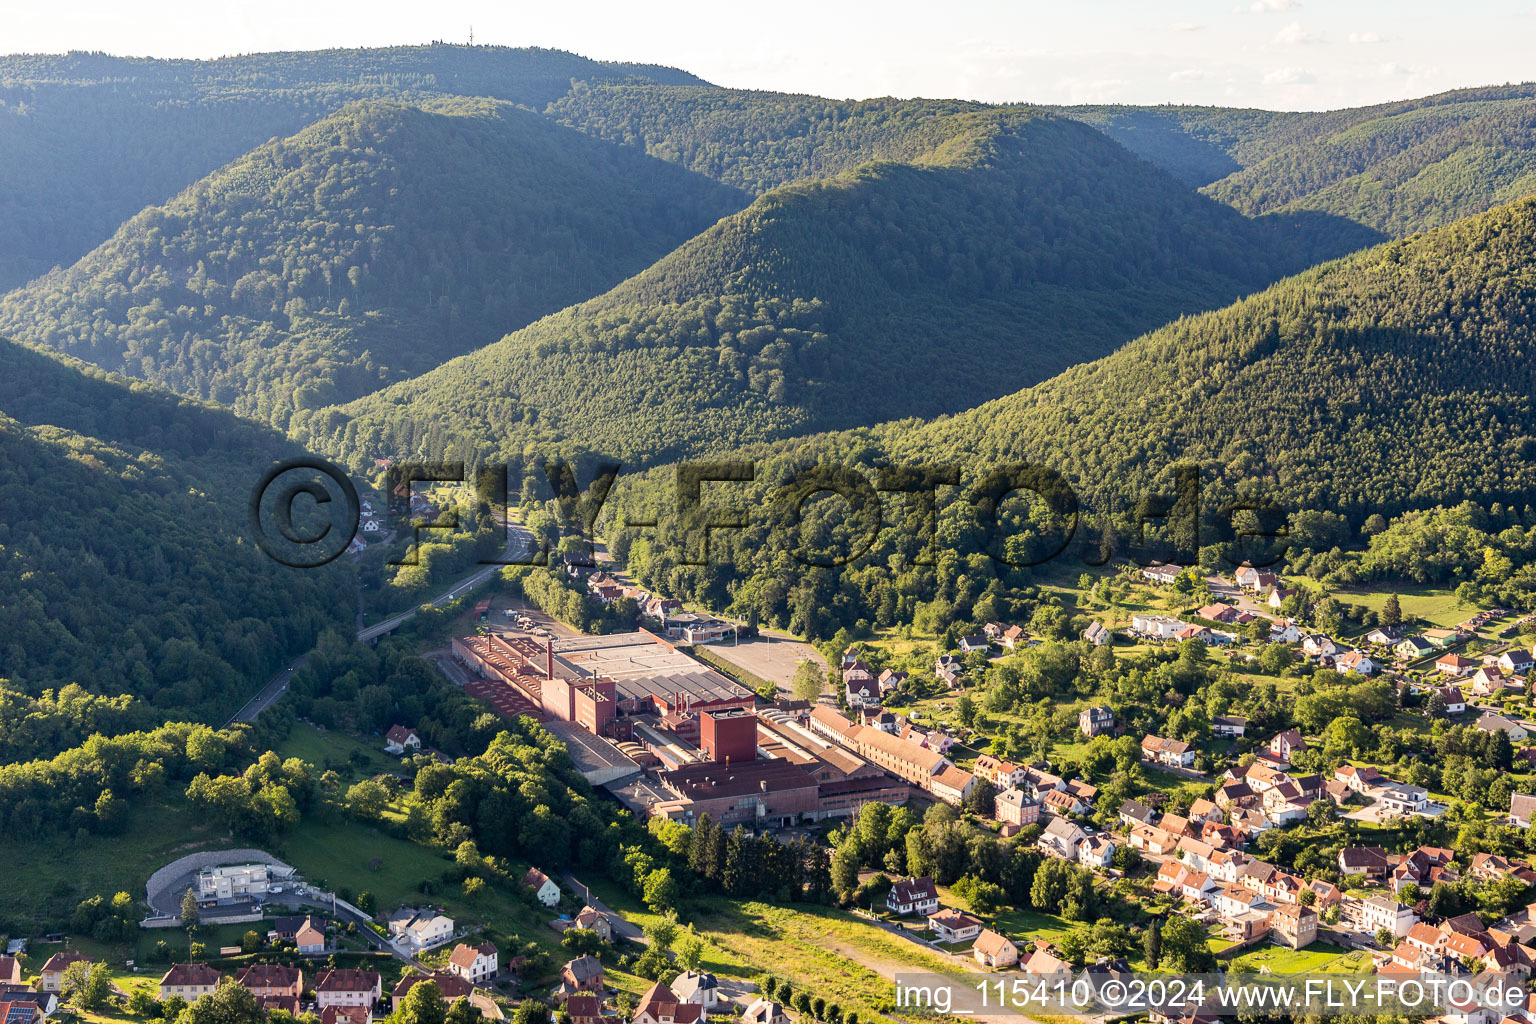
401 740
913 896
1385 912
475 964
951 925
1401 798
544 890
417 930
232 880
1355 662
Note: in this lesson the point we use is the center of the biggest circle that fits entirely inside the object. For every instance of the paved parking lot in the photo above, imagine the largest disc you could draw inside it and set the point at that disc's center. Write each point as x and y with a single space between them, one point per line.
774 660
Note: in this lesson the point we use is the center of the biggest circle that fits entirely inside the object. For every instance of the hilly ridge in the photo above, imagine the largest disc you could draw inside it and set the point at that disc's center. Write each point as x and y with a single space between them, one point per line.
371 246
1392 379
1021 244
87 140
125 568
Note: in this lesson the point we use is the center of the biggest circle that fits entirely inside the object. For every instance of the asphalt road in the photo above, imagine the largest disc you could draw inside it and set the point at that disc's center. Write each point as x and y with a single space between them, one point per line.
520 544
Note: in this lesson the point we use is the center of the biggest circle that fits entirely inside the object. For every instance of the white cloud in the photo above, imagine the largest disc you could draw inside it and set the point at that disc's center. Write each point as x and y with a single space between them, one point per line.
1186 26
1268 6
1191 75
1290 76
1294 35
1366 38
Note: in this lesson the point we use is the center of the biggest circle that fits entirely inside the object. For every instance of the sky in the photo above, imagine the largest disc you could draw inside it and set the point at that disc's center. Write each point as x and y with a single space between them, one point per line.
1276 54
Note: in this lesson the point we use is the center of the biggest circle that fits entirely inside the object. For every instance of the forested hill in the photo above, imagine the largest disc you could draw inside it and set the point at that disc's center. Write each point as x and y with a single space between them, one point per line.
123 565
1399 377
1261 159
1023 244
373 245
88 140
758 141
1404 170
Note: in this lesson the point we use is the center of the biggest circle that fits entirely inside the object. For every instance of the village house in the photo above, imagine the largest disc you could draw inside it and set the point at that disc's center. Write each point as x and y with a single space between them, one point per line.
1134 812
660 1005
1229 726
1370 861
583 974
1174 753
348 988
417 930
1061 838
764 1011
994 950
1385 912
1014 807
912 896
1455 666
1016 637
1236 793
475 964
593 920
1490 722
1401 798
1412 648
451 987
1097 635
1355 663
1293 925
1003 774
1161 573
1095 721
51 977
974 642
1359 780
1490 679
1287 743
1516 661
401 740
1285 633
189 981
1522 809
544 889
1151 840
1455 702
1384 636
697 988
1316 644
951 925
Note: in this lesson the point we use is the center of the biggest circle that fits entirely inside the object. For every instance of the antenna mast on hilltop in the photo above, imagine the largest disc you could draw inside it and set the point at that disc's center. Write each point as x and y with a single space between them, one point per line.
471 35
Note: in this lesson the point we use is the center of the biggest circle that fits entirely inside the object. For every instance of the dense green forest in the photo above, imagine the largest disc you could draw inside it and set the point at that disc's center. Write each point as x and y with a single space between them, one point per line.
373 245
87 140
126 568
1020 246
1393 169
1394 380
1401 168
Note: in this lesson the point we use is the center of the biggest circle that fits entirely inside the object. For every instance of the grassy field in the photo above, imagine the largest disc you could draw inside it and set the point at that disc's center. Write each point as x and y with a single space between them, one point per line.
45 878
350 854
822 950
1319 956
329 749
1029 925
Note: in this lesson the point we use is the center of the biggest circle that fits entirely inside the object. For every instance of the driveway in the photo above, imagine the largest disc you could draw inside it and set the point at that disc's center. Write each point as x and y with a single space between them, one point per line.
621 927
